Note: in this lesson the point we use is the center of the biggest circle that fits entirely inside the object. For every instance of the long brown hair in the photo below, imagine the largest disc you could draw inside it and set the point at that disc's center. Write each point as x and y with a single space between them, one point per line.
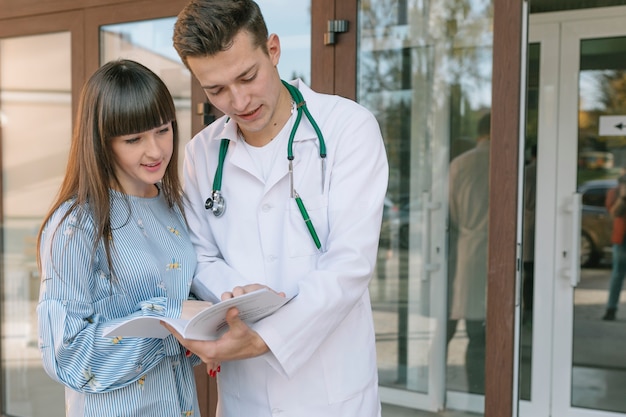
122 97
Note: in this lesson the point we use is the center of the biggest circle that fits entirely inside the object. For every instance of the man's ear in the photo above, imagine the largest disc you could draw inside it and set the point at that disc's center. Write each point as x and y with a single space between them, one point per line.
273 48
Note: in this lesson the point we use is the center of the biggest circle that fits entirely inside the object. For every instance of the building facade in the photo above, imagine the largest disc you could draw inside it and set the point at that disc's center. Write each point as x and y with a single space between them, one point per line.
504 126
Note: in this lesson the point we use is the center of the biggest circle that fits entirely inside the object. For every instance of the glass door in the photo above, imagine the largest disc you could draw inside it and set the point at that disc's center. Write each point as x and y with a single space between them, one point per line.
539 214
424 70
35 128
33 162
578 117
591 349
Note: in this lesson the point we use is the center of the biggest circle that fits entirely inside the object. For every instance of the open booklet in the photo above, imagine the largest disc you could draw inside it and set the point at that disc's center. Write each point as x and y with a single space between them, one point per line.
208 324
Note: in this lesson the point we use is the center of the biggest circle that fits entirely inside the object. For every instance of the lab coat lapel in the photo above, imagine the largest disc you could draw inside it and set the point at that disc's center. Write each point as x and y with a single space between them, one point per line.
281 167
237 155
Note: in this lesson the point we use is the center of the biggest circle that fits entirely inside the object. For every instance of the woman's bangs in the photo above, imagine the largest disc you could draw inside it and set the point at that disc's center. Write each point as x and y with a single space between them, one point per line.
137 110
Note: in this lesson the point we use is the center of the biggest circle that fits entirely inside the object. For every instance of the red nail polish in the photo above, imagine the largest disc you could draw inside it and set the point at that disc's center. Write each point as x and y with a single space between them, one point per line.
219 368
187 353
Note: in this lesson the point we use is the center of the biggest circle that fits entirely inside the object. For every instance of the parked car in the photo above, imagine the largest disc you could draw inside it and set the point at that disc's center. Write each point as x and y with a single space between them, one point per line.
596 223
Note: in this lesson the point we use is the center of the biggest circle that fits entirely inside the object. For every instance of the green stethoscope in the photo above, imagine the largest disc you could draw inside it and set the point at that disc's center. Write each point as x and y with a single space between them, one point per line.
216 202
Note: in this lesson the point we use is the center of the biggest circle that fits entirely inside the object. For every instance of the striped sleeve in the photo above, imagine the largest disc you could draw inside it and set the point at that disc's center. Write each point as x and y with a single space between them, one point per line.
71 319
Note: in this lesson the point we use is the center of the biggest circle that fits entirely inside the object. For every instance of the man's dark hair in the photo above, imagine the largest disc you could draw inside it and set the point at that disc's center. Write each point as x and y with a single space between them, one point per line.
484 125
206 27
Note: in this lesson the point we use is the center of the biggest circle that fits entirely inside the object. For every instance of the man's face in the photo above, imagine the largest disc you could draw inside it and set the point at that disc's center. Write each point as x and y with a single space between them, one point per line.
242 82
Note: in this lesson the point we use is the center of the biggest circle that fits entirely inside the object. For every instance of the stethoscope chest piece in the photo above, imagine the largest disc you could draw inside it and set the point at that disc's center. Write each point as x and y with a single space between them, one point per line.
216 203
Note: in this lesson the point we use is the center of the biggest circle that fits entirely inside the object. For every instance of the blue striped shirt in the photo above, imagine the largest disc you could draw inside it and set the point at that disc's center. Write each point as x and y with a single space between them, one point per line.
153 264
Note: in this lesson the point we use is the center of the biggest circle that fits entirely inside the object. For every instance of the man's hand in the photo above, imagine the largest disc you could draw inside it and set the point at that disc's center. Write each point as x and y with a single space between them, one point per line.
237 291
239 342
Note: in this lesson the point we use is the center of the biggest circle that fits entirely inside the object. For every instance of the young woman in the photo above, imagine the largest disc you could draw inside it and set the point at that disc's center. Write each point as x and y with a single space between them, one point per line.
114 245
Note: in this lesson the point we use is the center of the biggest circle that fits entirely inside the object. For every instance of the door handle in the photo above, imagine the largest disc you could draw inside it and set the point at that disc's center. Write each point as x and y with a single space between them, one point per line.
332 28
427 207
575 209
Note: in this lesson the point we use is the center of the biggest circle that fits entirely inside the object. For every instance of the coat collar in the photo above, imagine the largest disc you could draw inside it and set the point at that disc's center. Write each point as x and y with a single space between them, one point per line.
305 130
240 158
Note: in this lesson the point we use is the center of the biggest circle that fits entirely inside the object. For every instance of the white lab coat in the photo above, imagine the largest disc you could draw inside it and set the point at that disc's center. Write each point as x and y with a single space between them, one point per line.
322 359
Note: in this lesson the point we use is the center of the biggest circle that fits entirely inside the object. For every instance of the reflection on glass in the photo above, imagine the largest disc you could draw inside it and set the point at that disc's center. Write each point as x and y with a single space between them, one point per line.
528 227
469 216
35 118
293 27
424 70
599 368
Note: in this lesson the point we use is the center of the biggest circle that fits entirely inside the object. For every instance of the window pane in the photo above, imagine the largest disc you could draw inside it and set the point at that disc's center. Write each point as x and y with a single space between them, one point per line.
35 118
424 70
293 27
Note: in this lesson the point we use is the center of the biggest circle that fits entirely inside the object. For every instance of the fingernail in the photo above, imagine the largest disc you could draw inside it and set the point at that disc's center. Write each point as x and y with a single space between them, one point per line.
187 353
219 368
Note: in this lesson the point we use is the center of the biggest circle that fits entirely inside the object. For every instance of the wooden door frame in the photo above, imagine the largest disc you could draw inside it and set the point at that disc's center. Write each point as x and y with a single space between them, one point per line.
503 196
121 13
56 22
333 68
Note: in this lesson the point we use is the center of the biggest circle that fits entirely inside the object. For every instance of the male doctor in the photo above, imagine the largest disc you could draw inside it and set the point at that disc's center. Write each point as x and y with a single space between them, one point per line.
315 356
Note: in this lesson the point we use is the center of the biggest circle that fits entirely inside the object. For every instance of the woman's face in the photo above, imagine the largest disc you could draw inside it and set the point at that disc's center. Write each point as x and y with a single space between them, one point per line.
141 159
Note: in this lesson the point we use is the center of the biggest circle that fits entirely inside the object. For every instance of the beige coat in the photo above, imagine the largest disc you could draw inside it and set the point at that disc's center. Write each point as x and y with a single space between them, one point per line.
469 209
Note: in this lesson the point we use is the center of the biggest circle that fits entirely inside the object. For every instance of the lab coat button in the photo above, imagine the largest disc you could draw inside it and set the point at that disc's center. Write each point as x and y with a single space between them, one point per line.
271 258
266 208
276 411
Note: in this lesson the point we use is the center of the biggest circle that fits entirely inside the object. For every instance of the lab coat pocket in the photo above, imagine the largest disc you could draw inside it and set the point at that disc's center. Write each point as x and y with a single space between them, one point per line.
300 233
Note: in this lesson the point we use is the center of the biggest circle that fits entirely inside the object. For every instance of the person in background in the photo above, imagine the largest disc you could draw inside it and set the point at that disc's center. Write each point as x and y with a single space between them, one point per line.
316 356
115 245
469 217
616 205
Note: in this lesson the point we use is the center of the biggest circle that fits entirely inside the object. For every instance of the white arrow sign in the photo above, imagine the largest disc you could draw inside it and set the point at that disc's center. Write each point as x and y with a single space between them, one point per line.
612 126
